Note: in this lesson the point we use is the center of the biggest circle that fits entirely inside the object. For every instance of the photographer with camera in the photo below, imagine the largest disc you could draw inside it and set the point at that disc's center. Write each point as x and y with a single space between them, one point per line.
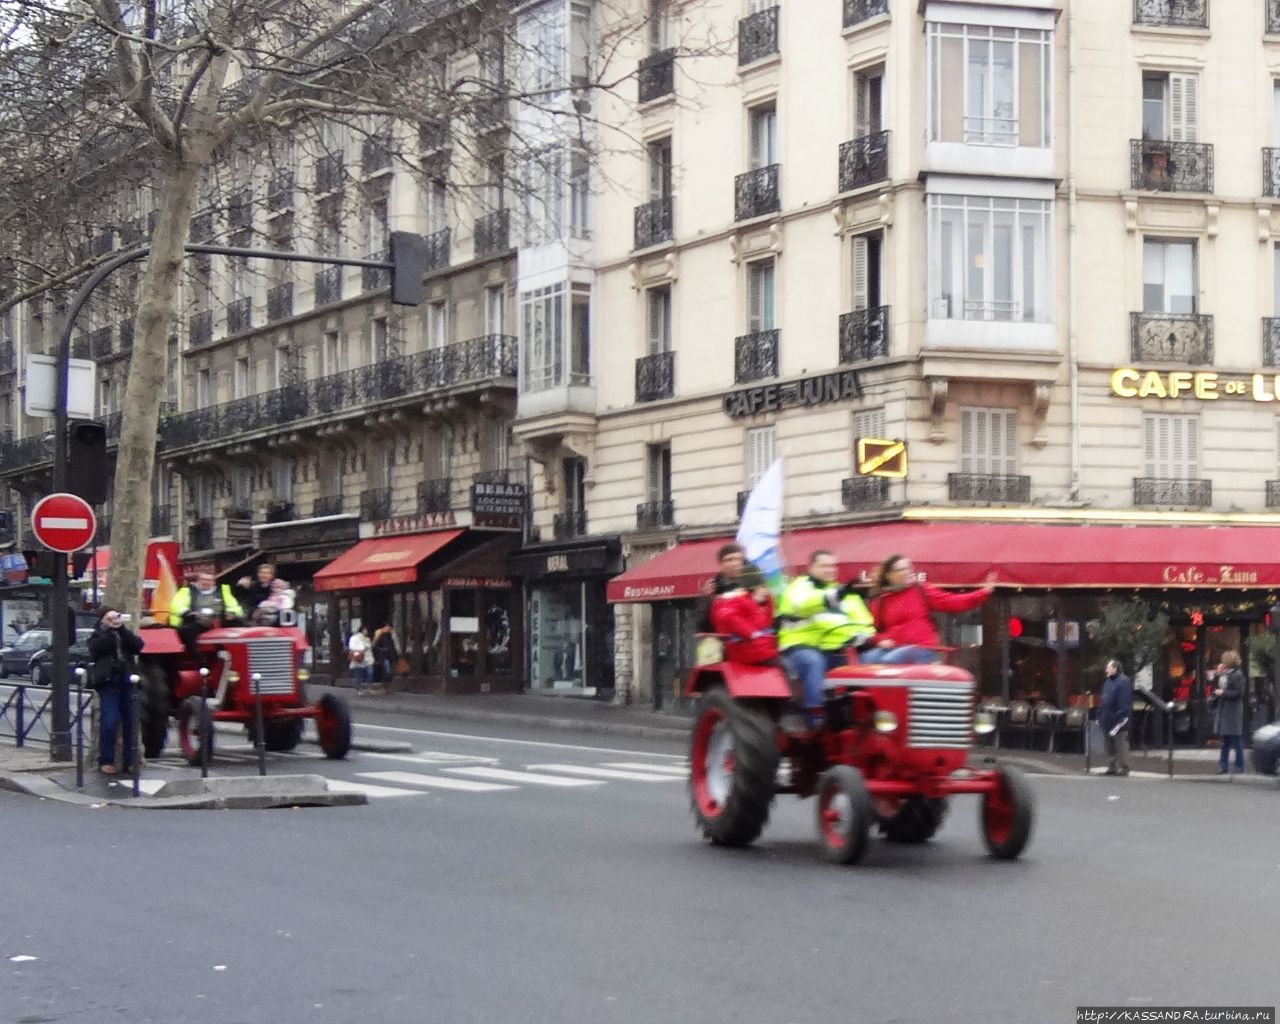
114 648
202 605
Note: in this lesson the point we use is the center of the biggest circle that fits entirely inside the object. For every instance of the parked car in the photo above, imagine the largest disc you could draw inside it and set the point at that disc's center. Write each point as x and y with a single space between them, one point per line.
1266 749
16 660
77 653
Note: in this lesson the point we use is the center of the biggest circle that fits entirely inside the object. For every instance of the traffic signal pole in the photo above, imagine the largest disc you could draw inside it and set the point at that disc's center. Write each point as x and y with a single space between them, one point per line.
407 266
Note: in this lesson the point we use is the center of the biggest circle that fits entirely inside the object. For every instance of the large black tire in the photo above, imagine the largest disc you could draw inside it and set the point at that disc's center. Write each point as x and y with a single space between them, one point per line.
1007 815
733 761
915 821
154 710
333 725
845 814
195 729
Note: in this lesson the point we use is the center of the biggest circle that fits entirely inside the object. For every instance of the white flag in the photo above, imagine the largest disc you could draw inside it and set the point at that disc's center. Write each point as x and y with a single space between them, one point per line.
760 531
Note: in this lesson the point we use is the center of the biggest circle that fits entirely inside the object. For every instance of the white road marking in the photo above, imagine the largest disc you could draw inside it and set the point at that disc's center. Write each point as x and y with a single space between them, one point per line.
431 757
373 792
435 782
520 743
529 778
678 771
601 773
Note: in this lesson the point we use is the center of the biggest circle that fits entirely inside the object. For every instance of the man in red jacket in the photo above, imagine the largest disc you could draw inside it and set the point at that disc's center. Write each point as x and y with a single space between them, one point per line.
901 606
745 616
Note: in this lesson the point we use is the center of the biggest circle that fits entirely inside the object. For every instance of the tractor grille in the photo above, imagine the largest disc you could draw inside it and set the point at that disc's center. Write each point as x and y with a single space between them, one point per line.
272 658
941 716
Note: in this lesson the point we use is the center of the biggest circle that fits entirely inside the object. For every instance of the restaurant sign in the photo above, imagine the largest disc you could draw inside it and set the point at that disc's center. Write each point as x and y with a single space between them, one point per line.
1205 385
823 389
1209 576
413 524
498 506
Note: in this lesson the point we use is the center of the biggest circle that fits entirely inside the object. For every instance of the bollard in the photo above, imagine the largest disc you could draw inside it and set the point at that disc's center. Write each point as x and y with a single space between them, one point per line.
204 721
259 739
1088 745
1169 719
21 727
135 726
80 674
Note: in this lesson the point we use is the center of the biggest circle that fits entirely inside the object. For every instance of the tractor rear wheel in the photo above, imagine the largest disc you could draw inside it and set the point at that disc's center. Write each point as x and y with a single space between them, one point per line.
1007 814
915 820
333 724
733 760
195 729
155 709
845 814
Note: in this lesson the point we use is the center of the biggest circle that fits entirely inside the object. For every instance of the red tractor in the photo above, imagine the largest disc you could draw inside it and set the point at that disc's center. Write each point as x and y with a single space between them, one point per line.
234 666
891 751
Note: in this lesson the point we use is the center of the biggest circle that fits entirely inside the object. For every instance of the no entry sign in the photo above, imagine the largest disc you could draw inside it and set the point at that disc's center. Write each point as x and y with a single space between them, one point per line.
63 522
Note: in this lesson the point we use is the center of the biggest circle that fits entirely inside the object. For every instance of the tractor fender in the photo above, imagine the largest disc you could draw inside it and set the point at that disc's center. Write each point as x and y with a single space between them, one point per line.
740 680
160 640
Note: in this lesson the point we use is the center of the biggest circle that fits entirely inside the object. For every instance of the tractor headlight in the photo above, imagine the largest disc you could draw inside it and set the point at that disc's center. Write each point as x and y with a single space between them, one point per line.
233 677
303 675
984 722
885 721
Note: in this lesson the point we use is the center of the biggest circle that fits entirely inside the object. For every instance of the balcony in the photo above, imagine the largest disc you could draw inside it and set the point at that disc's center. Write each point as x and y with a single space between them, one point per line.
493 233
240 211
437 250
864 161
656 77
239 315
492 476
858 11
280 302
432 138
375 156
80 348
102 244
200 328
488 358
1171 13
161 520
568 525
434 496
1171 338
16 453
201 229
860 492
200 535
492 115
1271 162
100 343
327 505
655 377
655 515
653 222
375 504
758 36
280 192
279 512
329 173
756 194
864 334
755 357
988 488
373 279
1172 492
1273 494
1159 166
1271 342
328 283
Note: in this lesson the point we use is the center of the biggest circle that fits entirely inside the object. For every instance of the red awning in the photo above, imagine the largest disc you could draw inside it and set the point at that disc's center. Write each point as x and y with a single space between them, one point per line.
381 561
1023 555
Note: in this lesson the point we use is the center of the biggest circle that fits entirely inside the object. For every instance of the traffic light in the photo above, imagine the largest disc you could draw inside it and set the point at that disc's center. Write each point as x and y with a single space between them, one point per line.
408 268
87 461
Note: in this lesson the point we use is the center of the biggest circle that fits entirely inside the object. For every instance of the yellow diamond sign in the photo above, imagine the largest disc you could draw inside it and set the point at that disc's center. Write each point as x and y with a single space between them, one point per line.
880 457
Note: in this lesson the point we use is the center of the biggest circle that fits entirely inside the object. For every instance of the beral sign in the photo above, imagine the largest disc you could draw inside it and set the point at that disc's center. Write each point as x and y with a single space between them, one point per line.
823 389
1205 385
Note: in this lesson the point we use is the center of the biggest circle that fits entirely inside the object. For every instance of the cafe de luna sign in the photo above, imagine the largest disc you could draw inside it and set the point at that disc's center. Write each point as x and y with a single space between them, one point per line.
1205 385
840 386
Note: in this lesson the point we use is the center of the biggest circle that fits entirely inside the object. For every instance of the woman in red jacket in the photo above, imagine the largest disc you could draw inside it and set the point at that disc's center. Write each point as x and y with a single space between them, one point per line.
901 607
745 616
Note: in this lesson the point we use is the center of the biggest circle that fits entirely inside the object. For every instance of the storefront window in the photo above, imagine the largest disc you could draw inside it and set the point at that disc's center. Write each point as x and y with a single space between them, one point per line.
497 631
555 639
431 634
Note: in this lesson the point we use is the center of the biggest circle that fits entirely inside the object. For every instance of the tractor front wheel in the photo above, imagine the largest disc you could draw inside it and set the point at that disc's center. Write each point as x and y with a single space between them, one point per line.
915 820
733 760
1007 814
333 724
845 814
195 729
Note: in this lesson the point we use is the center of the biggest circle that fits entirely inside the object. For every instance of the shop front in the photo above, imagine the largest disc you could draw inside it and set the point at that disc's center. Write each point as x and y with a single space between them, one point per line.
571 635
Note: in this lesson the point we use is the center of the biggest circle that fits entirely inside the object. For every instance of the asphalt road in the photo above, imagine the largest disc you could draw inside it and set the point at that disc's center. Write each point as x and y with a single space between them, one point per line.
536 901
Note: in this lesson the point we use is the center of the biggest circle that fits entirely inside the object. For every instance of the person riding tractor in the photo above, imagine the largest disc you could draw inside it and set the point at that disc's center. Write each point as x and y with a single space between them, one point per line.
202 605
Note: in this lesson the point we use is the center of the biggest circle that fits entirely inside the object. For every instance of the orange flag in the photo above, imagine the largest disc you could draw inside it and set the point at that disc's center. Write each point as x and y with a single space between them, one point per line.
166 587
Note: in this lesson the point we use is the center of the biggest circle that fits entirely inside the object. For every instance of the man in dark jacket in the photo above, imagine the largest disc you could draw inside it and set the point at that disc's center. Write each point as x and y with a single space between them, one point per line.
252 592
1113 715
114 648
731 558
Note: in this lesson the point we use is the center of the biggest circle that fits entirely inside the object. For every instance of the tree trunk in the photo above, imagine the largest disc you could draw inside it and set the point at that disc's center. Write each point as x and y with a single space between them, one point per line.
135 457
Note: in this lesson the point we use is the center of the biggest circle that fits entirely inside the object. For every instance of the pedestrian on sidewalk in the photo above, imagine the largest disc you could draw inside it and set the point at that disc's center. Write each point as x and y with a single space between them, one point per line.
1114 711
385 654
1228 720
360 657
113 647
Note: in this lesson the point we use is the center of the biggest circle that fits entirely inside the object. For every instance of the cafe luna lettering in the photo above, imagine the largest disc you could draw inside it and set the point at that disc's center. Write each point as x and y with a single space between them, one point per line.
1205 385
1201 576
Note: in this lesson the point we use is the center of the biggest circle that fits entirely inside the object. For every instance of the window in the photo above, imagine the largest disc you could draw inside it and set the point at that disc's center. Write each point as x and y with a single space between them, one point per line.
761 448
495 310
989 259
659 472
989 442
1171 447
172 369
658 301
579 44
659 153
330 478
495 183
542 337
580 335
659 25
575 485
204 389
437 203
104 397
1170 106
379 342
204 497
866 250
496 455
763 126
282 480
989 86
868 101
240 379
869 423
1275 113
760 296
376 232
543 195
579 194
285 368
541 34
334 352
1168 277
1275 283
241 488
437 325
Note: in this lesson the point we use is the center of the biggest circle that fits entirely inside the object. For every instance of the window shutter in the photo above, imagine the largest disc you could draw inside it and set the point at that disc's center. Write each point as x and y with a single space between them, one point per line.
760 453
1191 462
968 430
860 297
755 6
755 297
1010 466
1184 107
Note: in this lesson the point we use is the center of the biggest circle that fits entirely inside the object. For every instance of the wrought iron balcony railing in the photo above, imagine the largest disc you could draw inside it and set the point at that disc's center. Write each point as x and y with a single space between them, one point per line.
488 358
655 377
1159 166
16 453
756 193
240 211
1171 338
201 228
279 512
239 315
864 334
80 348
755 356
200 328
656 77
433 137
567 525
375 504
653 222
860 492
857 11
1273 494
328 283
1271 341
161 520
655 515
1171 13
375 156
327 505
1273 17
1271 162
437 250
329 173
864 161
372 279
1172 492
280 302
493 233
434 496
280 192
100 343
758 36
988 488
492 114
200 535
